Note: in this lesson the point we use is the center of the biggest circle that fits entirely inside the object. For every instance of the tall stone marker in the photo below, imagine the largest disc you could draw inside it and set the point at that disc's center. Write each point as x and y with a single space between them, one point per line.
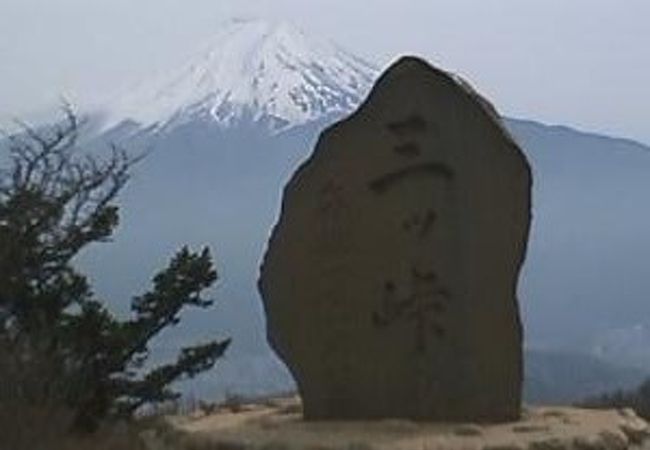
389 283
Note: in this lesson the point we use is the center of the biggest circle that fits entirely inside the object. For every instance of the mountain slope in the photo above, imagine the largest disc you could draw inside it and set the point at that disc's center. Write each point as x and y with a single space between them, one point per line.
586 273
255 70
555 377
223 150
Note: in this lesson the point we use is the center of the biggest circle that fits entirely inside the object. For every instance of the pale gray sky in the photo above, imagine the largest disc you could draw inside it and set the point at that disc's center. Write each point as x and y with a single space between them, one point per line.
584 63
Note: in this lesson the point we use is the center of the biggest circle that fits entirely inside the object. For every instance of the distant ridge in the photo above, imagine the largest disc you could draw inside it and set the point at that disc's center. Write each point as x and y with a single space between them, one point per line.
564 377
558 129
210 181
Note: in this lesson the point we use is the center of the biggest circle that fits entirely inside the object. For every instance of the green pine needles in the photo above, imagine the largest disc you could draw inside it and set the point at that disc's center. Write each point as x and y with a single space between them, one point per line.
58 343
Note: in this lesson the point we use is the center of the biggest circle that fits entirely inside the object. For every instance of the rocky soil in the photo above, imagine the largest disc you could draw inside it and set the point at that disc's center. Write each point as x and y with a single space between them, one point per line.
277 425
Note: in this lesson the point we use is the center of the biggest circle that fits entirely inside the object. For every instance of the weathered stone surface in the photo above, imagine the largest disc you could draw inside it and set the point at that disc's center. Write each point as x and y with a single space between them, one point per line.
389 282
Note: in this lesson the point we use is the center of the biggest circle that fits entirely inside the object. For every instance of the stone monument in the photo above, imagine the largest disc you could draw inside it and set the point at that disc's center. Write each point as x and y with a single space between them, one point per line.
389 283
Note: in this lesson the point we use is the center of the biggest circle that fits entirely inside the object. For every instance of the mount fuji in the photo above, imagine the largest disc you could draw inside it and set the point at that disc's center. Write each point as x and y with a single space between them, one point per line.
263 72
223 135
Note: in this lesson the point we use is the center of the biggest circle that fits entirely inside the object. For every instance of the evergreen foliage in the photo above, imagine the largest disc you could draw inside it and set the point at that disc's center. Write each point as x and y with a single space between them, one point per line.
57 340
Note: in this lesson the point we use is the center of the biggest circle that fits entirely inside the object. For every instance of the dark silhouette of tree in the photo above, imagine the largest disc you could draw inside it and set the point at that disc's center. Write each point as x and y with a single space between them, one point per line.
638 399
54 202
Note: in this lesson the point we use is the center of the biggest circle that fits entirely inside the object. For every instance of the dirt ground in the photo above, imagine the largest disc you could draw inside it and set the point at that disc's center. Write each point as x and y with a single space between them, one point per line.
277 424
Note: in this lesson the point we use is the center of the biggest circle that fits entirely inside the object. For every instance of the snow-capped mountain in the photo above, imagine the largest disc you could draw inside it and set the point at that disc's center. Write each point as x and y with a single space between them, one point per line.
252 70
216 174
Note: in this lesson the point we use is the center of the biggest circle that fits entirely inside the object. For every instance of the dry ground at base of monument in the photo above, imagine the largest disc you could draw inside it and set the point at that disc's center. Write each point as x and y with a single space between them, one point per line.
277 424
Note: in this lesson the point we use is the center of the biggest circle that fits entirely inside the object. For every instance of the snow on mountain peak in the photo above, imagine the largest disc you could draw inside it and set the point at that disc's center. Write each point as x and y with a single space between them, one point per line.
253 69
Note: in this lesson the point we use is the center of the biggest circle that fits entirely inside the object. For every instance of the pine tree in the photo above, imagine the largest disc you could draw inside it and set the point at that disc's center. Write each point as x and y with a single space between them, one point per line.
55 201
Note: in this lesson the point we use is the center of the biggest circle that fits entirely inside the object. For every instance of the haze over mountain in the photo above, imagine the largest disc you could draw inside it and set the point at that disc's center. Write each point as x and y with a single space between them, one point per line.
226 131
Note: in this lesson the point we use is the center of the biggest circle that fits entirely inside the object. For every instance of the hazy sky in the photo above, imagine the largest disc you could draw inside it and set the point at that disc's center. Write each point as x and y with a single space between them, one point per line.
578 62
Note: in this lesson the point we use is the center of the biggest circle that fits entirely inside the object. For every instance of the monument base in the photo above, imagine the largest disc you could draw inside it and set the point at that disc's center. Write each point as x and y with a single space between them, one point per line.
277 424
